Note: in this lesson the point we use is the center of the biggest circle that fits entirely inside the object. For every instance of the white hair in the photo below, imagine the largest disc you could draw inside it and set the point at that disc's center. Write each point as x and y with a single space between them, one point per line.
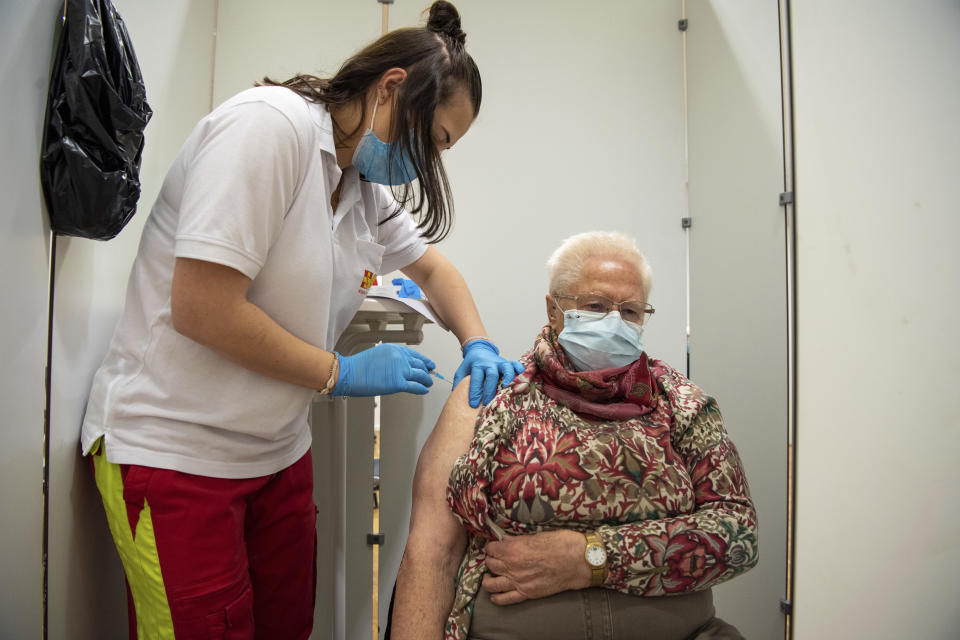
566 263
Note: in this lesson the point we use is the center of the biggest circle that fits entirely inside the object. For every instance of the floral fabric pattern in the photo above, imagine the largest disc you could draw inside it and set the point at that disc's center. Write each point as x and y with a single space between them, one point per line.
665 490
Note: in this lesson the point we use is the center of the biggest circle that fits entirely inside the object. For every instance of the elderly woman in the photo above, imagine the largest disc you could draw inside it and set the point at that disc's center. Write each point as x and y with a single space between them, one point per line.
599 495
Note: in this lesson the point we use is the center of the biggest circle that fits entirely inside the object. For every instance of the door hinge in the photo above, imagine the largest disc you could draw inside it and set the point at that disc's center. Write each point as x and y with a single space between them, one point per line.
374 539
786 607
686 223
786 198
682 24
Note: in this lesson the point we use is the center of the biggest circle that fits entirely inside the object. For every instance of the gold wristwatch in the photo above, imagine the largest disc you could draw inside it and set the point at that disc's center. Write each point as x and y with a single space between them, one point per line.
596 557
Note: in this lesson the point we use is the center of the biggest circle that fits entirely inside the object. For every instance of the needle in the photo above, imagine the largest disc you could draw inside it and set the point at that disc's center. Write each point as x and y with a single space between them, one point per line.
436 375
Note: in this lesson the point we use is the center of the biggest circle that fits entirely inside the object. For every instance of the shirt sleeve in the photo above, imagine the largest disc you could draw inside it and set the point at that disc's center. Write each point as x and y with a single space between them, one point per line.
240 182
691 552
400 236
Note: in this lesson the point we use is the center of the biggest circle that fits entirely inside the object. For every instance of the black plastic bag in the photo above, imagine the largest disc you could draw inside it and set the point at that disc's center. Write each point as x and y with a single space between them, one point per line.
93 131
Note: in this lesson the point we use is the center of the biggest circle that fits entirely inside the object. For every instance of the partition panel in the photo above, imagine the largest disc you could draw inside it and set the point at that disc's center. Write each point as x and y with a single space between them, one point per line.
26 50
876 96
738 297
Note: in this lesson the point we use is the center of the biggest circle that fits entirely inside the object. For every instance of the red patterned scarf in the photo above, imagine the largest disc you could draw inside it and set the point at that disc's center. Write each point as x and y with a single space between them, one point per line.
605 394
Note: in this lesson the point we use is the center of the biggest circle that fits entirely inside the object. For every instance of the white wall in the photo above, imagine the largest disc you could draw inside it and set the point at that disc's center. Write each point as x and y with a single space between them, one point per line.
173 43
26 37
284 37
877 95
580 129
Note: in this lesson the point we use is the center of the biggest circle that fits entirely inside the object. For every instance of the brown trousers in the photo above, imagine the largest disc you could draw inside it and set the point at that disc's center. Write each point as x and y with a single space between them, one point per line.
601 614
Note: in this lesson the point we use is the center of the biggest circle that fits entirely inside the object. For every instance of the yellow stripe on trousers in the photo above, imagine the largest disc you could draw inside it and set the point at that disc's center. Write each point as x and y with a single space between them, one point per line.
138 552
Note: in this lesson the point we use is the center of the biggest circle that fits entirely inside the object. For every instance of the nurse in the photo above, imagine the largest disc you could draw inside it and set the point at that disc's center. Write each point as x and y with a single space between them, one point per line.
281 206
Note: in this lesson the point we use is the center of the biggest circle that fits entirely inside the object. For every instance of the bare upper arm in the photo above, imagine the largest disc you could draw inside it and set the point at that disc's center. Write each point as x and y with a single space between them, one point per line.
202 290
431 520
420 269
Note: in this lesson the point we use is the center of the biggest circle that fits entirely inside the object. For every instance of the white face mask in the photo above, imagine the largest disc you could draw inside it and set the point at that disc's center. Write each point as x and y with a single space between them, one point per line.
594 340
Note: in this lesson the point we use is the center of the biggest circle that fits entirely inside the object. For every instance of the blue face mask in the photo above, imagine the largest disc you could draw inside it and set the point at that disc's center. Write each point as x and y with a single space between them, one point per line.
596 341
377 161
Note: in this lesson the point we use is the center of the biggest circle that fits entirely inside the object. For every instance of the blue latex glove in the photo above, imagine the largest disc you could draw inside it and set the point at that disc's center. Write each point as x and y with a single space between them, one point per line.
482 362
408 289
384 369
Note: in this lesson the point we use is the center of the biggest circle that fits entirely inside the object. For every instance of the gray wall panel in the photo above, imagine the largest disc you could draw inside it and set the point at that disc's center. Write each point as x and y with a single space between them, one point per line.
738 272
26 50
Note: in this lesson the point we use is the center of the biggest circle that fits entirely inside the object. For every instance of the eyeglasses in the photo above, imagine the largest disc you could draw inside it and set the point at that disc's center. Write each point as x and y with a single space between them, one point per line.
630 310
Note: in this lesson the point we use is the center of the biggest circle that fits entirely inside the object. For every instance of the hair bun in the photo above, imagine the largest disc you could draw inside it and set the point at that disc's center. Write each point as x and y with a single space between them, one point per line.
445 20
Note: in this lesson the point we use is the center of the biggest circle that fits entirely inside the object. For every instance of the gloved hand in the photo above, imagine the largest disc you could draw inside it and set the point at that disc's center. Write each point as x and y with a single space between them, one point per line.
408 288
384 369
482 362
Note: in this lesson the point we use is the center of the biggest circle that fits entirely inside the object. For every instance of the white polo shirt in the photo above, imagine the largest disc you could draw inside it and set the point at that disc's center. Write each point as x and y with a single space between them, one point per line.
251 190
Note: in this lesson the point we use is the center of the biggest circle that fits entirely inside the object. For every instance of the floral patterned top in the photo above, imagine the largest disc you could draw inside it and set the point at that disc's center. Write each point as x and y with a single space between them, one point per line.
666 490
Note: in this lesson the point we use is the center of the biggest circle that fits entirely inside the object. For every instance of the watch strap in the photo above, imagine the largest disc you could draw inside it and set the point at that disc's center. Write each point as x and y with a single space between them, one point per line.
596 572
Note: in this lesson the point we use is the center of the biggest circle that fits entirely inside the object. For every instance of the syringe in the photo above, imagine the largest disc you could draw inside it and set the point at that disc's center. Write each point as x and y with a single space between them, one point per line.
436 375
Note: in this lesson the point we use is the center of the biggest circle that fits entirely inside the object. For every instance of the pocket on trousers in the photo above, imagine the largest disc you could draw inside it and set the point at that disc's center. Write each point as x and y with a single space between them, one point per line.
136 481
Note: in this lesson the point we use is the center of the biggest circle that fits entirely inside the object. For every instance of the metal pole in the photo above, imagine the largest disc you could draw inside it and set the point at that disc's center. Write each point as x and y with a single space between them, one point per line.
789 210
45 457
213 56
686 221
384 16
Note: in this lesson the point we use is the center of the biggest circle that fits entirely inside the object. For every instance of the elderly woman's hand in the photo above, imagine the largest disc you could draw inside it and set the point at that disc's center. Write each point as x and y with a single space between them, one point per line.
535 566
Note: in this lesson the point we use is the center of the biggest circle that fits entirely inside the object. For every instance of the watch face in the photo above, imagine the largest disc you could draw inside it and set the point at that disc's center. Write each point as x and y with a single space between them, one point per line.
596 555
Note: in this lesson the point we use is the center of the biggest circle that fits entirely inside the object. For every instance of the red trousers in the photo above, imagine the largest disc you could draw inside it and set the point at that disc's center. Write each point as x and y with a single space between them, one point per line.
214 558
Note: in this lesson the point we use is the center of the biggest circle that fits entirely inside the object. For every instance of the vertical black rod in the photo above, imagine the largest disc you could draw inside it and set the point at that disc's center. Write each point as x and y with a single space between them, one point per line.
47 375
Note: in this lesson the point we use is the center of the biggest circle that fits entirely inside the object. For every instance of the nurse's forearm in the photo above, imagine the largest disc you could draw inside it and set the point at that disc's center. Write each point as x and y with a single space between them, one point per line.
448 294
209 305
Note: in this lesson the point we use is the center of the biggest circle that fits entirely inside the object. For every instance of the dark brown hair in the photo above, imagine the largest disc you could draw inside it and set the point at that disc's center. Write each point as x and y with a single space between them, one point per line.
437 65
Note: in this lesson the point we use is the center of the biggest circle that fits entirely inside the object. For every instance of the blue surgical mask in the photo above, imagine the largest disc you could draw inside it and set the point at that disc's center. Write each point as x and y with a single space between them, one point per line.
600 341
378 162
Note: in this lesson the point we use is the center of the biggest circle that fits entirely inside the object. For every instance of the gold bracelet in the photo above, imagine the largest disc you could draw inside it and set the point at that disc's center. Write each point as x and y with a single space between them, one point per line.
471 339
332 378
